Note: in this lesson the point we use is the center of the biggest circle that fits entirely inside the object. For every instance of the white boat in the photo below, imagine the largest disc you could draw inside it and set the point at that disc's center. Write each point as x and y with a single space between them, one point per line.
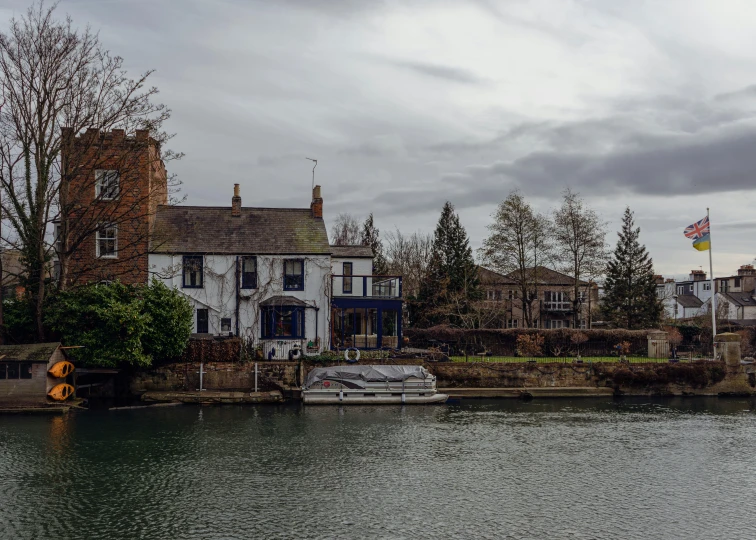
365 385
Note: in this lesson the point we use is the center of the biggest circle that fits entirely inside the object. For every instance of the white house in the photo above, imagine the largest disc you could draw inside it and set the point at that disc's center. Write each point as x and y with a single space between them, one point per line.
268 276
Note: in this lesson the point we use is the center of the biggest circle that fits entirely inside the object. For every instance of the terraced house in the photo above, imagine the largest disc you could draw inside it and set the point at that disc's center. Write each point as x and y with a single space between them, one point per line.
268 275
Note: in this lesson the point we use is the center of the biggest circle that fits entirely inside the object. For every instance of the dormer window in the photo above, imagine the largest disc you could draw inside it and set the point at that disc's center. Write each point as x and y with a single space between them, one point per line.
107 184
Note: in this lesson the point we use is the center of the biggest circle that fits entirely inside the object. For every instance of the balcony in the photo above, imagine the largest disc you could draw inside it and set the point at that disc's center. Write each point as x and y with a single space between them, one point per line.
366 286
557 306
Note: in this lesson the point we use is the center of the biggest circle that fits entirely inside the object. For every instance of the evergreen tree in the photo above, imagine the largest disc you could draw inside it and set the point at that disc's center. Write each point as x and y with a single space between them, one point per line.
451 280
630 299
371 237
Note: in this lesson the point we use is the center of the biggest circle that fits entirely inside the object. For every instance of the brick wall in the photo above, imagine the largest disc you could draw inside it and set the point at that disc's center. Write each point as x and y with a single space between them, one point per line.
143 186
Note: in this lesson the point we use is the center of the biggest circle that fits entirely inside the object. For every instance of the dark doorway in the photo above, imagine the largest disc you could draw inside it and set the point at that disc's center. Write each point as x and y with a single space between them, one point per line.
202 326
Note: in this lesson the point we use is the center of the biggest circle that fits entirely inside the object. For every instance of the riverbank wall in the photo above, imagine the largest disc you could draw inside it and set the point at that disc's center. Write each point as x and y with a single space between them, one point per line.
477 379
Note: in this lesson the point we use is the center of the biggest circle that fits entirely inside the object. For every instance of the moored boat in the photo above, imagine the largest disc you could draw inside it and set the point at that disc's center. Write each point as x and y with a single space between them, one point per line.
371 385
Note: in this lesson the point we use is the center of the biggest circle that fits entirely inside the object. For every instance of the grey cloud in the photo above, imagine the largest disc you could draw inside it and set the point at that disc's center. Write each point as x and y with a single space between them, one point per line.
691 165
447 73
390 145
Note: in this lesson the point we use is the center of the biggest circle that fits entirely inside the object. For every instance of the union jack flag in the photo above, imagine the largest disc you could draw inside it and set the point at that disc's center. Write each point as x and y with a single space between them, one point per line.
698 229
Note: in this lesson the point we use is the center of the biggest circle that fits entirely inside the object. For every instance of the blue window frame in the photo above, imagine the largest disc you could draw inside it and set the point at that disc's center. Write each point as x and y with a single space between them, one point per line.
193 272
282 322
293 275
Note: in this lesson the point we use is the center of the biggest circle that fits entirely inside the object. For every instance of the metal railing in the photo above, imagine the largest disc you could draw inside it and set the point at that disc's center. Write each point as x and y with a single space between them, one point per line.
366 286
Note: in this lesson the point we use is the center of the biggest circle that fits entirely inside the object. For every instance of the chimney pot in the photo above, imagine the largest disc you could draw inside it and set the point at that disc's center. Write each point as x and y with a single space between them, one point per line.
236 202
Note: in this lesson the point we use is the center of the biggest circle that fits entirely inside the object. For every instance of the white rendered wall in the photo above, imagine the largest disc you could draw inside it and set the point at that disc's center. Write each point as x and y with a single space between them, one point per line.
218 294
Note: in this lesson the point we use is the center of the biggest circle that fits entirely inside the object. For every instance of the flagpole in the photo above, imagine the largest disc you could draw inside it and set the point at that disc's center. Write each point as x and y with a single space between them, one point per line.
713 290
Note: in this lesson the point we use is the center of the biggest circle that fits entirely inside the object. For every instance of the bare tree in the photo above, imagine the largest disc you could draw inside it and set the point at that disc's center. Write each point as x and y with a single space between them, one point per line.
408 256
517 245
580 250
346 231
53 76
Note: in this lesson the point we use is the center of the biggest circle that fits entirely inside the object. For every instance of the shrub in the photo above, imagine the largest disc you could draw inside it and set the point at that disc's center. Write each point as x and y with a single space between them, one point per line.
121 324
19 322
623 347
171 317
106 320
674 336
530 345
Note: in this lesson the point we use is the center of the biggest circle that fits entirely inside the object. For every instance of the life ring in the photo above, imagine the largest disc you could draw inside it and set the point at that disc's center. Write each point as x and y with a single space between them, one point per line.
346 354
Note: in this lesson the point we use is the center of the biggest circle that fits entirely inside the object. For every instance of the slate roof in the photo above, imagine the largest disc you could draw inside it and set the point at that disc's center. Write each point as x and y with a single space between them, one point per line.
689 301
739 299
546 276
489 277
32 352
352 252
212 229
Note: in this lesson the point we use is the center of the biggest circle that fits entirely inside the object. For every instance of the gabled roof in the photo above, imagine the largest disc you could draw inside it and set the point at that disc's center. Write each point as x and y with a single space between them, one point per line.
352 252
689 301
212 229
739 299
489 277
31 352
545 276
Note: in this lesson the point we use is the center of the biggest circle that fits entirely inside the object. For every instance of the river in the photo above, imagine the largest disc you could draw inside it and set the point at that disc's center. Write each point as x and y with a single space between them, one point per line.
637 468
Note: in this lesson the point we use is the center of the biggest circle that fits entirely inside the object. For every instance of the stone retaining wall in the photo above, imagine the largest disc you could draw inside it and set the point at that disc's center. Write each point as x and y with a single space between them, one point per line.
704 378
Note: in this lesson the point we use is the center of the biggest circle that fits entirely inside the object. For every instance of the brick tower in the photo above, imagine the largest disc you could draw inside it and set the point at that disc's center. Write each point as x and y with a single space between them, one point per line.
111 186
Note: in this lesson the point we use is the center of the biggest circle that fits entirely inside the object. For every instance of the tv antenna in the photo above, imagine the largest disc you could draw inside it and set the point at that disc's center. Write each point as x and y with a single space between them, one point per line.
313 170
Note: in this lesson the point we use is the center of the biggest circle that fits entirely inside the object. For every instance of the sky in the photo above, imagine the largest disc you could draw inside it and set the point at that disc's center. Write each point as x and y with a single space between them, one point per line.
405 105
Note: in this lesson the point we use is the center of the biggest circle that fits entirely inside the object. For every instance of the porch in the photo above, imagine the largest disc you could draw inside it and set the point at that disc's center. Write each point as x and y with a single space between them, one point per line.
366 312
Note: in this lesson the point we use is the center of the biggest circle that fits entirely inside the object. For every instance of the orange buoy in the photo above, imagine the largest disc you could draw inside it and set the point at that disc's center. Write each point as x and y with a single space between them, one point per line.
61 392
61 369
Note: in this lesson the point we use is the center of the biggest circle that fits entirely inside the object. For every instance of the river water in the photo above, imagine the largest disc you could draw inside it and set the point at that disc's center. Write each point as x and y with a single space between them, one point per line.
476 469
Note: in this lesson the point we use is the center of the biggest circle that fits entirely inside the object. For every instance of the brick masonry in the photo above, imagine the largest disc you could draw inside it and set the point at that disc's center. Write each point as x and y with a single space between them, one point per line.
143 186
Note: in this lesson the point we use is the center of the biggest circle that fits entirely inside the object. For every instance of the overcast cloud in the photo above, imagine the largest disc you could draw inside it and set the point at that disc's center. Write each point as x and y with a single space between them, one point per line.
408 104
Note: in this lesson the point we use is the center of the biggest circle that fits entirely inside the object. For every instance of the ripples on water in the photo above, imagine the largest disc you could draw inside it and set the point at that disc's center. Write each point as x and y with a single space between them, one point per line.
481 469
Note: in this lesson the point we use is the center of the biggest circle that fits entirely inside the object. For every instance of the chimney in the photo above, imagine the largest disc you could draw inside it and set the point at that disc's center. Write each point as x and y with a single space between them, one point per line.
317 203
236 202
697 275
746 270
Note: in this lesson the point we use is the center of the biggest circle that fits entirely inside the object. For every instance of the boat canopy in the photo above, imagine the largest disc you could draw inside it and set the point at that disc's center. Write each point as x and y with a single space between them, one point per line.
365 373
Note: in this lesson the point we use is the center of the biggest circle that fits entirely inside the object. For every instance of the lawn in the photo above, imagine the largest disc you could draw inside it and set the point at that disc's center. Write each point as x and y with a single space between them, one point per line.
551 360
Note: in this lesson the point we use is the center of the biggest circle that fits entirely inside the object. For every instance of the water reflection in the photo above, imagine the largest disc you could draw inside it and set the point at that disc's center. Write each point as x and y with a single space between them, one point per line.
630 468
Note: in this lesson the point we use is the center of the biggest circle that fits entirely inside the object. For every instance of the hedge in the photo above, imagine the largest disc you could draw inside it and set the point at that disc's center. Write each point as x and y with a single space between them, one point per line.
556 343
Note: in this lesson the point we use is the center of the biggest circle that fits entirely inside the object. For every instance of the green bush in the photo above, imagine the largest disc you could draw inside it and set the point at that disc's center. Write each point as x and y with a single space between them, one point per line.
171 324
19 323
120 324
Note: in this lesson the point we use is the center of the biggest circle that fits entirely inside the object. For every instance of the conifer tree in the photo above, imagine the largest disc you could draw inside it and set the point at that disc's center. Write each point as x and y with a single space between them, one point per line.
630 289
451 280
371 237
